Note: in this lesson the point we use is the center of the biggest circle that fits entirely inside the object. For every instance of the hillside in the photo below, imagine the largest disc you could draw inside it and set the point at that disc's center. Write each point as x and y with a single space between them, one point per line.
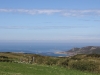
82 62
83 50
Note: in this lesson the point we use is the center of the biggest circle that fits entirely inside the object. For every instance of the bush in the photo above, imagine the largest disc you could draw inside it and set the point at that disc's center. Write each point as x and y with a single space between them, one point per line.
51 61
63 62
84 65
93 55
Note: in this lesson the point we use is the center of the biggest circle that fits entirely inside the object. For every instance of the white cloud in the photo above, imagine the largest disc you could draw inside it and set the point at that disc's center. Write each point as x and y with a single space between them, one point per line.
53 11
48 11
32 11
82 13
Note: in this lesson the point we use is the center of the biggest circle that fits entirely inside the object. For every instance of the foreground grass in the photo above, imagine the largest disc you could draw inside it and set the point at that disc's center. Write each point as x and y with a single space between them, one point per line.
28 69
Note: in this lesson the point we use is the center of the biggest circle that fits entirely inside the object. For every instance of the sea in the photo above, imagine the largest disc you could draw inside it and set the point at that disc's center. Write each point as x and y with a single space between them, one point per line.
48 49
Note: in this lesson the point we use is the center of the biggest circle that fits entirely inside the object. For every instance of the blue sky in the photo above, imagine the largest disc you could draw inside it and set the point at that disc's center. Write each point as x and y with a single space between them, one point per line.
50 20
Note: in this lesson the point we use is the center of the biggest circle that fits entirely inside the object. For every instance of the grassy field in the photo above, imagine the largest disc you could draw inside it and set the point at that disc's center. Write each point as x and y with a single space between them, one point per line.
7 68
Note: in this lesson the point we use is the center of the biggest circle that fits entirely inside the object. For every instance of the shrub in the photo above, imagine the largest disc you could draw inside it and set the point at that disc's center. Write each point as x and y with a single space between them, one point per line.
93 55
51 61
63 62
84 65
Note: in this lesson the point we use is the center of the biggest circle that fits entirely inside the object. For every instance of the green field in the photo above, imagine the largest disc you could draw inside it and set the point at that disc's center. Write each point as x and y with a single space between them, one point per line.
7 68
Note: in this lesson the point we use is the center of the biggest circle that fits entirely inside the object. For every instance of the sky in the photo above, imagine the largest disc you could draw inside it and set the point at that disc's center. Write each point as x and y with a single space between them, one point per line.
50 20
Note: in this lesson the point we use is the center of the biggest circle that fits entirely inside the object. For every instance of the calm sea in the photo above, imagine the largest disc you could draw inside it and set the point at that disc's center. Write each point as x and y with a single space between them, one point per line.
41 47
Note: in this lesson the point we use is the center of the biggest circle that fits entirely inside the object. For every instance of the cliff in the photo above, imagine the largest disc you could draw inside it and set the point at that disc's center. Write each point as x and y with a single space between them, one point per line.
84 50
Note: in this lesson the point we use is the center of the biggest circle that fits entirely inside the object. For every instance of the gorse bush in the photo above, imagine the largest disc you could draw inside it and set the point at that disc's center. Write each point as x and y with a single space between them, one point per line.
5 59
51 61
45 60
93 55
63 62
84 65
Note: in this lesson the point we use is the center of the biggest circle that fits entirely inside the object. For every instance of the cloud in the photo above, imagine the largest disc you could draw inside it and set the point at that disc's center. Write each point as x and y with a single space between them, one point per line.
67 13
32 11
41 27
82 13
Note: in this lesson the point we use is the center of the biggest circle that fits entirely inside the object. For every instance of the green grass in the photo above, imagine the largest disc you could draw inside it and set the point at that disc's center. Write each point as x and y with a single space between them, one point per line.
28 69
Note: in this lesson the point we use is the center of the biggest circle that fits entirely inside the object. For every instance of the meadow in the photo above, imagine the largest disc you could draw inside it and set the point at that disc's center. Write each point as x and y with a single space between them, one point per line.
8 68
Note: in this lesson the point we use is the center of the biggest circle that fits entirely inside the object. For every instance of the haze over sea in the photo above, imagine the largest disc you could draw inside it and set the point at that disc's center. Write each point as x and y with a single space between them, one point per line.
40 47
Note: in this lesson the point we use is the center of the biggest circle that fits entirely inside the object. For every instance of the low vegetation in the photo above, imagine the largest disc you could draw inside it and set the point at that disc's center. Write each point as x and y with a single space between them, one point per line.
7 68
27 64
